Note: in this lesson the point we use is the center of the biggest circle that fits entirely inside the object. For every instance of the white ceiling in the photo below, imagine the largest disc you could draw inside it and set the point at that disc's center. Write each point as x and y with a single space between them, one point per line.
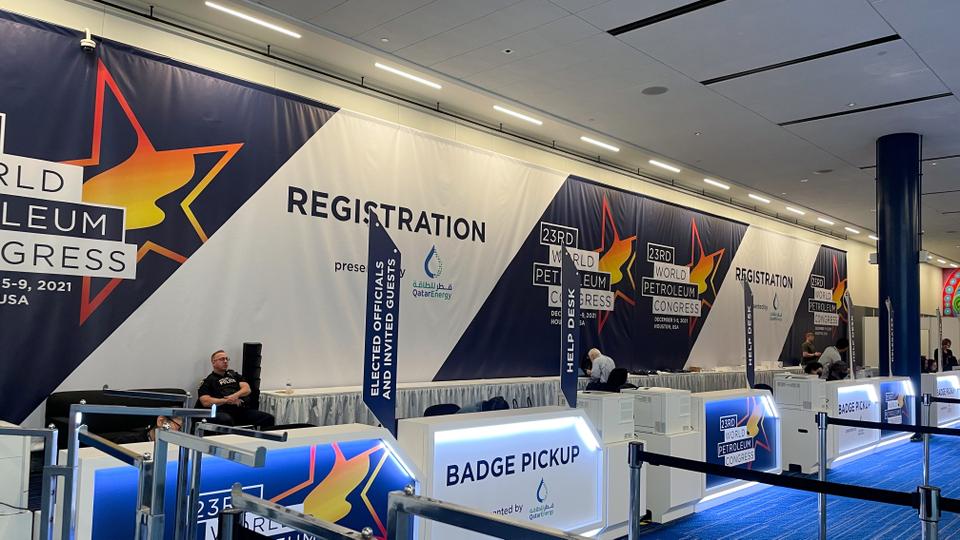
566 68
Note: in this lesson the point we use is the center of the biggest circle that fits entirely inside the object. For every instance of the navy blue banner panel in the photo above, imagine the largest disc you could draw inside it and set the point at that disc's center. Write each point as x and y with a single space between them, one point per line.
177 148
821 309
382 327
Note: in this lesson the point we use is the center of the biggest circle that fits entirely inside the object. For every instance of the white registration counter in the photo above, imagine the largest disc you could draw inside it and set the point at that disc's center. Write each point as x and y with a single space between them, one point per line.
337 473
543 465
946 385
879 399
739 428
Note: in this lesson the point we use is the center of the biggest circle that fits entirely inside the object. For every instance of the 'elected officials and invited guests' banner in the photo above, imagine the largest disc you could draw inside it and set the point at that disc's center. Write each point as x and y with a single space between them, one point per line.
153 212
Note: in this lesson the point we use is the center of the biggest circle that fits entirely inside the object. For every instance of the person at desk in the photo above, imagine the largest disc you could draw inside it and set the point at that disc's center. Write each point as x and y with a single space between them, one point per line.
809 352
601 366
834 355
949 360
226 389
813 368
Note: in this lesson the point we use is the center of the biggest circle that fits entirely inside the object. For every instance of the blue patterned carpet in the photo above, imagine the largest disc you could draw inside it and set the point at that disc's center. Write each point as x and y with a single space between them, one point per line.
779 513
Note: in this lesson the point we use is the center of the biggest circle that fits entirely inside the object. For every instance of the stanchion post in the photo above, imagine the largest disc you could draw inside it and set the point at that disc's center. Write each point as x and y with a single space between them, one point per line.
929 512
822 473
229 521
925 421
636 485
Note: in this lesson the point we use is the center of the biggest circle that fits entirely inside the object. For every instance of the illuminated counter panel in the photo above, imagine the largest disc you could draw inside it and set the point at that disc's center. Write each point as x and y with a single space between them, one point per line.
889 400
741 428
337 473
543 465
946 385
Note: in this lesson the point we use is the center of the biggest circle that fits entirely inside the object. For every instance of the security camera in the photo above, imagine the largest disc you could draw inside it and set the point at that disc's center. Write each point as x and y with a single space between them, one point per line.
88 44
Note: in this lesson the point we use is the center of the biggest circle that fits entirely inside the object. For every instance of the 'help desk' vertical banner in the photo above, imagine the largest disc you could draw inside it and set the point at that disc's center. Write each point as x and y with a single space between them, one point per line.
383 326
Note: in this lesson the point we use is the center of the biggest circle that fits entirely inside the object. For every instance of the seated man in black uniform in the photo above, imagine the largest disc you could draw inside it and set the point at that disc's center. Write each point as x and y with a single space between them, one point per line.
226 389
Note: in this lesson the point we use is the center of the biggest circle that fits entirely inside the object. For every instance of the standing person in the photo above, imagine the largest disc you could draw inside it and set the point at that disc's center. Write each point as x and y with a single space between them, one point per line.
602 366
809 350
834 355
949 362
226 389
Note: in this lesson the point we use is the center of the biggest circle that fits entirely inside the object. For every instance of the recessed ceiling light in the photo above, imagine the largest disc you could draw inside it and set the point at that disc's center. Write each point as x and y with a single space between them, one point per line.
929 257
654 90
804 180
825 220
521 116
406 75
851 104
609 147
953 265
764 200
941 261
384 40
713 182
663 165
508 51
851 230
823 171
796 211
254 20
872 237
697 133
933 163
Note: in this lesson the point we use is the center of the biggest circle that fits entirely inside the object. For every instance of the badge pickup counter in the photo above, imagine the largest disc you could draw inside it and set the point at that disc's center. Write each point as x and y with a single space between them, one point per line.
662 421
801 397
337 473
612 416
946 385
543 465
739 428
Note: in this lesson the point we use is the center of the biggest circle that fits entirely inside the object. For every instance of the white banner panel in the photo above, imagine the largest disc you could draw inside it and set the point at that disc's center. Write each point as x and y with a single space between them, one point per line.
457 213
777 268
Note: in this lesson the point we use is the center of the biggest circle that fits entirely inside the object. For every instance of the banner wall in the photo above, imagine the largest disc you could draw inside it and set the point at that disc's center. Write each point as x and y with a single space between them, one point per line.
153 212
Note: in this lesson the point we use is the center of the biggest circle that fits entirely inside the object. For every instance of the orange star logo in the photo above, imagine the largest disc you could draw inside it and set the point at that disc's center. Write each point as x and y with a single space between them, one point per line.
139 181
703 270
616 259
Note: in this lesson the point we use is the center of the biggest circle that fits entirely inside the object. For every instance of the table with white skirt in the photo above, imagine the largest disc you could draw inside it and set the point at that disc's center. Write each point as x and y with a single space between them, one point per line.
344 404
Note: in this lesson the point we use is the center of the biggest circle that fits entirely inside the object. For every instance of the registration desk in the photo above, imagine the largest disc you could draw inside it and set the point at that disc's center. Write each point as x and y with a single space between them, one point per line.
879 399
739 428
543 465
337 473
946 385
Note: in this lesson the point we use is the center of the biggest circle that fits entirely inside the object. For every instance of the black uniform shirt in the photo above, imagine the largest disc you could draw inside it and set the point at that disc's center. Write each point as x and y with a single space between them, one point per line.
220 386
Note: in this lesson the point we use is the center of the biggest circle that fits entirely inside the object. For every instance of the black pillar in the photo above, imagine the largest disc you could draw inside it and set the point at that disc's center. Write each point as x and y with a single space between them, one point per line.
898 224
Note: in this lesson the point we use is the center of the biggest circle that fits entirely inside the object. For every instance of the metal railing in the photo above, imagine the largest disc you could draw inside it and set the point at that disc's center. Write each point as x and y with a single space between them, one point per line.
231 520
404 505
186 519
48 482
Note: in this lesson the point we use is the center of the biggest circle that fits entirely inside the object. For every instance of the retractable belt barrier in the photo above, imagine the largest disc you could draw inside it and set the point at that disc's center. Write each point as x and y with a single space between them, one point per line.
926 499
893 427
945 399
792 482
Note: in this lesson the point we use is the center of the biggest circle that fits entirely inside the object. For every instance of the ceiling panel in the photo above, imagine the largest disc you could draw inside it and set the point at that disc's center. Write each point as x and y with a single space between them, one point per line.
875 75
731 37
944 176
355 17
610 15
428 21
499 25
945 203
302 9
525 44
853 137
930 27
